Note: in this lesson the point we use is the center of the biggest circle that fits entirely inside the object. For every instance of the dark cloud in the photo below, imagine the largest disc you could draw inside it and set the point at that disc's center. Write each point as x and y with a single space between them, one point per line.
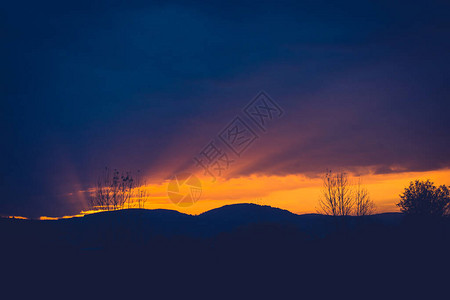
143 86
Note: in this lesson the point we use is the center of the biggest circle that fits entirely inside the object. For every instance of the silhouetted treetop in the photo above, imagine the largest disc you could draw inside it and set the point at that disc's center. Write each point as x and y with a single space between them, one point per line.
423 198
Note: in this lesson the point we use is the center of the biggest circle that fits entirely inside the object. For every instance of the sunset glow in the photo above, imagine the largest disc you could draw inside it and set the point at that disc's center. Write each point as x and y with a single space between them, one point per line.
242 149
264 104
296 193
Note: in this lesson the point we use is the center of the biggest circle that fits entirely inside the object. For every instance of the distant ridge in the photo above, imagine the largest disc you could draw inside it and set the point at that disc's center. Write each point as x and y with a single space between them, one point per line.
142 224
245 207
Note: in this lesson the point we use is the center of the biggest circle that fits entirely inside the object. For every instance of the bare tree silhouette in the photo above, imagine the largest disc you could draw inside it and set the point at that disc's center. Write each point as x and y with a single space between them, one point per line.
363 204
341 198
142 194
336 195
115 190
126 189
106 192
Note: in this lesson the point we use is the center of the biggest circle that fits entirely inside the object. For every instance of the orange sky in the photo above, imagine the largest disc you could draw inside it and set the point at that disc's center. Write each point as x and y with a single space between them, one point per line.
296 193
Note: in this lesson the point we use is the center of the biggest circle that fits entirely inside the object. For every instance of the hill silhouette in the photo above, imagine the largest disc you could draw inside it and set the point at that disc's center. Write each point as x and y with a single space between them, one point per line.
139 225
243 247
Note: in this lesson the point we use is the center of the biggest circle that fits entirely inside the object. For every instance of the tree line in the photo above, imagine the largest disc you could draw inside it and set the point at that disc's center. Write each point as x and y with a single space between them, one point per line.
341 197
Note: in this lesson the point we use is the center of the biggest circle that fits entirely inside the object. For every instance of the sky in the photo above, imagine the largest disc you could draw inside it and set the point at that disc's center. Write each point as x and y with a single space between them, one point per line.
362 87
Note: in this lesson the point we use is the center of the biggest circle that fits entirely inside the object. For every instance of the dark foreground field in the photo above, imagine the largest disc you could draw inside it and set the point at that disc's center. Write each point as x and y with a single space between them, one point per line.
237 251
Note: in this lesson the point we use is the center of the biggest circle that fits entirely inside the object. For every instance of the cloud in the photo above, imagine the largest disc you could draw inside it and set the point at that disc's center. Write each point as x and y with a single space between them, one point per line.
146 86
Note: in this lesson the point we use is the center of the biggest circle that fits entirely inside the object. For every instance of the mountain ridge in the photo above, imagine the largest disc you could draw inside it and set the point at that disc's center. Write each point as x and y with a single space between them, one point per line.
141 224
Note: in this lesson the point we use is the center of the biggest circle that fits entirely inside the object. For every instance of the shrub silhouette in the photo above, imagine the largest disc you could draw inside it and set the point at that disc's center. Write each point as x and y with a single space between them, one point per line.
424 199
